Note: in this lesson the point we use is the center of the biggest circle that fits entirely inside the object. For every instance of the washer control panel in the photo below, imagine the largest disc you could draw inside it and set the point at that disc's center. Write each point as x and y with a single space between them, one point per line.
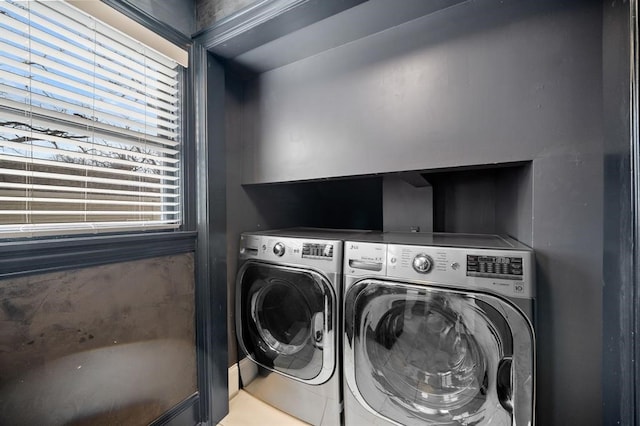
508 272
508 267
279 249
422 263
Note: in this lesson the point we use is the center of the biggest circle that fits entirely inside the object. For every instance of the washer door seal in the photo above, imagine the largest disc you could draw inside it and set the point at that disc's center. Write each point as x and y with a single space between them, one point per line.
285 320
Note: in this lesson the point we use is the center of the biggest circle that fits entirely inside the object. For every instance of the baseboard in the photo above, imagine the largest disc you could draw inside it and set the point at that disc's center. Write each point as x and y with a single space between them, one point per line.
234 380
249 370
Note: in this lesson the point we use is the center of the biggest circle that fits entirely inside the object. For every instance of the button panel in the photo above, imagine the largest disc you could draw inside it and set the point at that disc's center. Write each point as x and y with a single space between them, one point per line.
506 267
506 272
317 251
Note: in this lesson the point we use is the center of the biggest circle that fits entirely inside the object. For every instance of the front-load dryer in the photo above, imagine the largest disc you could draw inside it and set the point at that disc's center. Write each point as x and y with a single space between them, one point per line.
439 330
288 292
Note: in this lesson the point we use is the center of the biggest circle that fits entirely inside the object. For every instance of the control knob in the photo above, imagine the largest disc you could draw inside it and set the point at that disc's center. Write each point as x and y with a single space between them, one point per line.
278 249
422 263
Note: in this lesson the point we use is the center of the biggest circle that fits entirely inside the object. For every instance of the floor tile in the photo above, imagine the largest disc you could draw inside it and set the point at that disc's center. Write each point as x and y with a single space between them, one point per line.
245 410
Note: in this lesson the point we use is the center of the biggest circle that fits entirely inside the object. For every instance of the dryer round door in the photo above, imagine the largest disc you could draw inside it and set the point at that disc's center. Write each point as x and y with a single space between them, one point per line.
286 320
422 354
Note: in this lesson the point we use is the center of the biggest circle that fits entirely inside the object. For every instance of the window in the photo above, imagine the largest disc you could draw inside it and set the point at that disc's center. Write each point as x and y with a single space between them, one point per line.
90 129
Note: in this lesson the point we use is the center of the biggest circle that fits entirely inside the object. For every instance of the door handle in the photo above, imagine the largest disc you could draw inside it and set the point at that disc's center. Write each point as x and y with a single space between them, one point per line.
504 384
367 266
317 329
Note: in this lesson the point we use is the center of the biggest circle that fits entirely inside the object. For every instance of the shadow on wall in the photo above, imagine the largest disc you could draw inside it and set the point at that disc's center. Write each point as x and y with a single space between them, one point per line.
354 203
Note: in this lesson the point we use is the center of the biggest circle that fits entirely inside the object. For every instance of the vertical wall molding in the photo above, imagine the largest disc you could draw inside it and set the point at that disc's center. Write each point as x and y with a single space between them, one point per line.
211 286
198 71
635 204
621 295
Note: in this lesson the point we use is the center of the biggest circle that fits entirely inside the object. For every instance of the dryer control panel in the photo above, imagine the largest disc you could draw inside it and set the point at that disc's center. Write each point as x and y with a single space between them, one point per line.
322 254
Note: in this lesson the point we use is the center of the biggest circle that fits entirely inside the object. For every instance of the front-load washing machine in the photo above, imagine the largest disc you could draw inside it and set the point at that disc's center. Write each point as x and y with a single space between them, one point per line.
288 292
438 330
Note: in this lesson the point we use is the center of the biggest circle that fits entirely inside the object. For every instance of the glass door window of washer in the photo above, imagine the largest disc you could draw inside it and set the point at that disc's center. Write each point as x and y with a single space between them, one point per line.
422 354
287 320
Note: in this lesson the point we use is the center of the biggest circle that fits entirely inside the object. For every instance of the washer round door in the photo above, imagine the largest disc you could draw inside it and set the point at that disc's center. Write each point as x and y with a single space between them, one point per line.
285 320
423 354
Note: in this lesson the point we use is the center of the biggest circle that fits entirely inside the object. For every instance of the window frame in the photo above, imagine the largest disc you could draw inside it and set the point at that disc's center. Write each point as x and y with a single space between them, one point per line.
186 148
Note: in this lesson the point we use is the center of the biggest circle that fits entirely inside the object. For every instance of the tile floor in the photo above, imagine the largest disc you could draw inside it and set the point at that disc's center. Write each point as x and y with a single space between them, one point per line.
245 410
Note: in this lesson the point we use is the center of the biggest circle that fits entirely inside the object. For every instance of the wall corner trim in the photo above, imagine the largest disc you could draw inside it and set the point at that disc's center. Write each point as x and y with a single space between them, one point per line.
261 22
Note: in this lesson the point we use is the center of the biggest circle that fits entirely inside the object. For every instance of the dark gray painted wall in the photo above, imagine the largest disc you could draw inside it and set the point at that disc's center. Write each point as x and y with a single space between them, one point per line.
519 77
179 14
487 200
479 83
241 214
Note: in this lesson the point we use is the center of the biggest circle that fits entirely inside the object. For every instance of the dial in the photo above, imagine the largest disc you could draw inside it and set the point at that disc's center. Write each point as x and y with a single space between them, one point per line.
422 263
278 249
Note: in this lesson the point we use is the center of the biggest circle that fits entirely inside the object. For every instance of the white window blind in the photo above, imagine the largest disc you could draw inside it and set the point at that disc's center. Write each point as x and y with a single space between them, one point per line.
89 126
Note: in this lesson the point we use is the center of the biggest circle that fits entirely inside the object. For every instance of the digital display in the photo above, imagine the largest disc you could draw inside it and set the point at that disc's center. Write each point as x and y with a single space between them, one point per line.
494 267
322 251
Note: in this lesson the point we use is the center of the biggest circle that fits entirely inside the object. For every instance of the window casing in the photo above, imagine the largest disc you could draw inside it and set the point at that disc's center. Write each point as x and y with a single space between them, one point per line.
90 126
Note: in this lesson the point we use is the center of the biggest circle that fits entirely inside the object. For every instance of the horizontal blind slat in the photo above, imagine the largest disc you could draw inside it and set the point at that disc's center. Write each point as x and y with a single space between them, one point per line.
35 136
87 167
163 102
71 89
86 201
71 29
90 126
82 189
79 123
90 179
17 146
44 229
65 53
86 212
75 18
107 112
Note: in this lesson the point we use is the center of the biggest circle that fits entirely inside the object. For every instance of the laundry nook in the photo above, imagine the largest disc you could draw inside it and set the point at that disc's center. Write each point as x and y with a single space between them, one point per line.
319 212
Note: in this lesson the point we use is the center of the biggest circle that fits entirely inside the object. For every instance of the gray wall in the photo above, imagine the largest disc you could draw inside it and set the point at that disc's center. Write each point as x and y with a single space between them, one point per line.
487 200
242 215
179 14
479 83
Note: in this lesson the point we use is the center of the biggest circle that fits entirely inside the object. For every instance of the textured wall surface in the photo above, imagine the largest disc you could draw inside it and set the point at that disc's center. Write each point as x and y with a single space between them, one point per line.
105 345
209 12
